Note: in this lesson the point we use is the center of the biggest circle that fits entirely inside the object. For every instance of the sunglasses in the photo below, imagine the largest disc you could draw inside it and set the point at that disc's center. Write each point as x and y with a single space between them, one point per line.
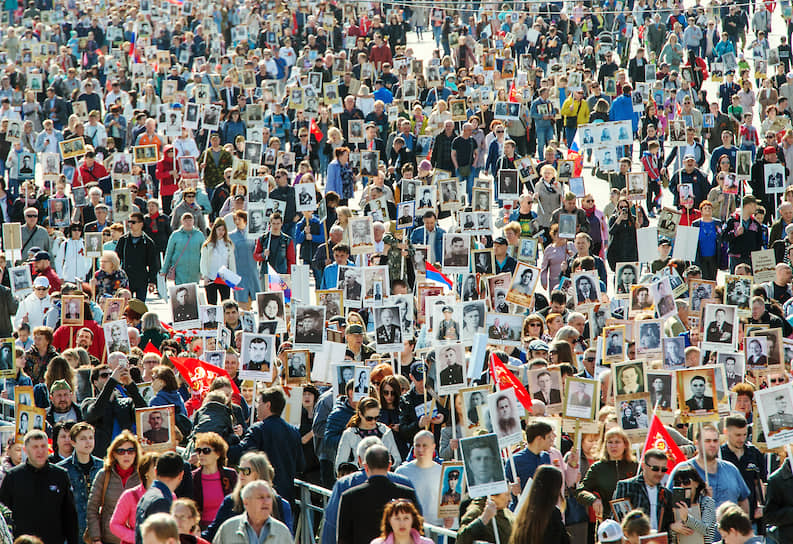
683 481
105 375
126 451
371 418
656 468
245 471
32 216
205 451
134 221
388 393
590 359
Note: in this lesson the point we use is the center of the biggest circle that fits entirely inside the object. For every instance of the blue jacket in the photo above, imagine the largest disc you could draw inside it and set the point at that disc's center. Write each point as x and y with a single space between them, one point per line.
348 482
79 489
330 275
158 498
526 464
622 110
418 238
336 423
333 180
281 442
246 267
164 398
539 122
230 130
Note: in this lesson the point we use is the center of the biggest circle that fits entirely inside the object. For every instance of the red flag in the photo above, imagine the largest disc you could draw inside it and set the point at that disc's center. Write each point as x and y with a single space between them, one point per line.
313 128
504 379
658 438
199 374
513 93
151 349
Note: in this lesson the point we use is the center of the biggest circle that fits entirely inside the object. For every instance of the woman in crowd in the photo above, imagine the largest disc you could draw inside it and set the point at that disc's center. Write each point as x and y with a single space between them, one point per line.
554 258
402 524
539 520
187 518
340 177
623 247
362 424
253 466
121 472
166 389
216 252
58 369
212 481
152 330
696 492
122 522
616 463
390 392
110 277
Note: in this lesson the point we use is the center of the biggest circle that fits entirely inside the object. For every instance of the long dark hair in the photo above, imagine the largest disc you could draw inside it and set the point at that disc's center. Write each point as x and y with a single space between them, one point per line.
533 516
690 473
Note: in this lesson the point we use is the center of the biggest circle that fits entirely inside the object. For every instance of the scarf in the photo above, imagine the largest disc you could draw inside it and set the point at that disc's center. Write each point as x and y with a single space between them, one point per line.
124 473
154 217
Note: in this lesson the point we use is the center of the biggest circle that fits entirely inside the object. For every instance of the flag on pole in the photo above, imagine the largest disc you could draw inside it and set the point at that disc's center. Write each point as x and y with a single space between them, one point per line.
513 93
276 283
658 438
200 374
313 128
436 276
504 379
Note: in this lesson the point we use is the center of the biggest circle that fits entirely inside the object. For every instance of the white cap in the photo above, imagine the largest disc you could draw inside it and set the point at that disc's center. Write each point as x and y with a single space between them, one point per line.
41 281
609 531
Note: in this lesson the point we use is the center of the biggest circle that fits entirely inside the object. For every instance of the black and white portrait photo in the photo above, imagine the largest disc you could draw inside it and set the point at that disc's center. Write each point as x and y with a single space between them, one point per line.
388 330
699 290
305 197
210 317
93 244
297 366
116 336
450 368
505 416
738 291
721 324
696 390
775 411
504 328
567 225
663 298
361 383
473 320
630 379
660 384
774 174
257 356
773 343
649 336
545 384
524 282
351 284
21 281
184 306
456 252
72 309
483 261
633 414
309 327
271 308
508 186
579 396
361 235
7 358
674 352
406 214
484 468
614 343
756 351
587 288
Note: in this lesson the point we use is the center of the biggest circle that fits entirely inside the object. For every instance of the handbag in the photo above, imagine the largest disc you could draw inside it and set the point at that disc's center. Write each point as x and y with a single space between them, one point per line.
171 274
105 483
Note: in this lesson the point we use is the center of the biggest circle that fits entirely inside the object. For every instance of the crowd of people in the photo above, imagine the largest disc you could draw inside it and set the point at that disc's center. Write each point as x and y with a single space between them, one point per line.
512 273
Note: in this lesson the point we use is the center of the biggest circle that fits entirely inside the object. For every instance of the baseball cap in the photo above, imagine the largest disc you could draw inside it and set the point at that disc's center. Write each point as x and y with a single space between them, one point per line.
748 199
355 328
609 531
538 345
664 240
42 256
689 156
500 240
418 369
41 281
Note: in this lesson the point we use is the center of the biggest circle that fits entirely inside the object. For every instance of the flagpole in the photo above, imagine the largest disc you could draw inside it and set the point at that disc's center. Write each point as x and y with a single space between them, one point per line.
426 409
452 399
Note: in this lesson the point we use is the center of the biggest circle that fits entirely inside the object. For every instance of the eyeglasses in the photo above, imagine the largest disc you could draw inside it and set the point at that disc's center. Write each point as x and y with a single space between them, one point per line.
205 451
245 471
535 324
134 221
371 418
41 288
683 480
499 132
105 375
32 216
656 468
590 359
681 425
623 209
126 451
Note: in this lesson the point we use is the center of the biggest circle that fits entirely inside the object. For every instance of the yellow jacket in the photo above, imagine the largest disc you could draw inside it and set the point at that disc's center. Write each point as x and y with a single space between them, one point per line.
569 109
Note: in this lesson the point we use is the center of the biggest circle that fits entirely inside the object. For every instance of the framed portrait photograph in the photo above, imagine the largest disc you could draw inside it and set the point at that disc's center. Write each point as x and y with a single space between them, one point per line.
661 390
298 366
637 185
155 426
504 329
580 398
451 197
361 233
620 508
375 285
117 336
627 275
648 335
508 185
21 281
450 368
74 147
332 300
60 212
586 288
484 472
426 199
7 358
93 245
663 298
775 410
388 330
183 300
361 382
696 392
355 133
738 291
545 384
257 356
456 253
630 379
72 309
406 215
451 488
505 416
309 327
633 415
474 401
483 261
271 307
699 291
721 325
614 341
29 418
567 225
524 282
774 344
674 352
146 154
640 300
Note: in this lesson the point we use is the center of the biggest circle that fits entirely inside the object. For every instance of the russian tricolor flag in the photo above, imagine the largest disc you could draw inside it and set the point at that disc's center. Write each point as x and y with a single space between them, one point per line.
276 283
228 278
435 275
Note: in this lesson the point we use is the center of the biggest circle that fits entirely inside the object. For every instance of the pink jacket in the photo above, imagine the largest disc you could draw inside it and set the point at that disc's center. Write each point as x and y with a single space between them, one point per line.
417 539
122 524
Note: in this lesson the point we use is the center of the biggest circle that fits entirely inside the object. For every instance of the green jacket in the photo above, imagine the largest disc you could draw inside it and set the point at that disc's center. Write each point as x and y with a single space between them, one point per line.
601 480
187 263
213 173
472 528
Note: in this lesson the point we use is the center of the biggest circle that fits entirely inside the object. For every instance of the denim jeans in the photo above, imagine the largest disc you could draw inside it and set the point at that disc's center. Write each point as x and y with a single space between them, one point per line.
569 135
544 135
469 182
436 33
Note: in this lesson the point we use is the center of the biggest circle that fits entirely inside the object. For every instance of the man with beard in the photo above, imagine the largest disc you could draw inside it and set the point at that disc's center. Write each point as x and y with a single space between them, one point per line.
506 422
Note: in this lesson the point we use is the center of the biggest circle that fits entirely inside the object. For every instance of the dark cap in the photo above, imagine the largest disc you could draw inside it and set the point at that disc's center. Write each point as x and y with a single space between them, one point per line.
500 240
355 328
418 369
42 256
664 240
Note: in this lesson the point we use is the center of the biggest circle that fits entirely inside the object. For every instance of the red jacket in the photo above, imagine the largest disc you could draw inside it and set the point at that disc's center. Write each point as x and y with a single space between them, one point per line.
165 166
87 175
64 339
55 281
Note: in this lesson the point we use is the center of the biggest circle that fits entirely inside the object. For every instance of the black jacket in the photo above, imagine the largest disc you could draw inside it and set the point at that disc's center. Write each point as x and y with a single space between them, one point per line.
361 509
409 421
157 499
779 502
140 261
41 503
8 307
163 230
103 411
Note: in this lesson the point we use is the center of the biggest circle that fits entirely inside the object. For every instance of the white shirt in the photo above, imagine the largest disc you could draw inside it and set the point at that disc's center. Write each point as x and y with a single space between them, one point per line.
652 494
